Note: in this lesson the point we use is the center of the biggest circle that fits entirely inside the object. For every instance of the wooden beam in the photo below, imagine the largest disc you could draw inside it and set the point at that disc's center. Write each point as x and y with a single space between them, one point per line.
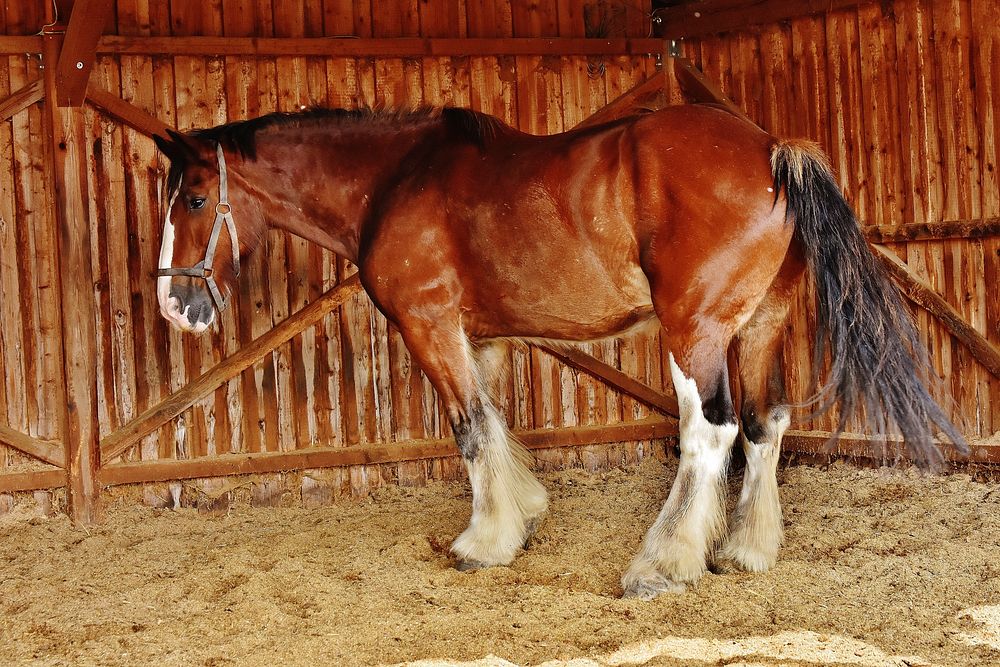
707 17
126 112
75 292
32 480
18 45
43 450
648 94
76 59
614 378
395 47
922 294
329 457
21 99
156 416
697 88
927 231
857 446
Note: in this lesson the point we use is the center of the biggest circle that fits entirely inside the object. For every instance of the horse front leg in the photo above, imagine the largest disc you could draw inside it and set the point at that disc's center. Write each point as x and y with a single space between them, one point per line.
507 501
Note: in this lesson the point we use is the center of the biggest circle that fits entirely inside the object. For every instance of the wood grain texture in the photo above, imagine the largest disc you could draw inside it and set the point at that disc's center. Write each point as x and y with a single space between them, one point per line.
414 450
21 99
887 88
115 444
80 428
43 450
77 56
924 295
698 19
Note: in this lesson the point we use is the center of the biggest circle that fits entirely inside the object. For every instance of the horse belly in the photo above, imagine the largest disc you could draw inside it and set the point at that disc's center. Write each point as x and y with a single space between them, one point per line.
558 304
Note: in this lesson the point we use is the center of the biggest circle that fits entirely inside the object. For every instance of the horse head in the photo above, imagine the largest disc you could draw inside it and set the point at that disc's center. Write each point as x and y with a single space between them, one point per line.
211 221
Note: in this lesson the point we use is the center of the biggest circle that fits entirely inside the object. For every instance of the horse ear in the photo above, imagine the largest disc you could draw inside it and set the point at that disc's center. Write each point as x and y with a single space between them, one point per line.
182 147
166 146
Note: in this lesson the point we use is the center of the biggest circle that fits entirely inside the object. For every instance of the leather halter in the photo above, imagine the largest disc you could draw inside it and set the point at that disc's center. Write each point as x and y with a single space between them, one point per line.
223 214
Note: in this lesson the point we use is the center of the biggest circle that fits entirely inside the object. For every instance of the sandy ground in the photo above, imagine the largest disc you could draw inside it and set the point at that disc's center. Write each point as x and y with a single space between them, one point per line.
880 567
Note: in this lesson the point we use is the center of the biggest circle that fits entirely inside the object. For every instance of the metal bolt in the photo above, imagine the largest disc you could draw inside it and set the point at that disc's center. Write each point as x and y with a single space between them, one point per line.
79 64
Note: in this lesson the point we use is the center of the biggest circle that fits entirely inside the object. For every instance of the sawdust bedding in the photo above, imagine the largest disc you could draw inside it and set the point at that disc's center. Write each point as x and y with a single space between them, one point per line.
880 567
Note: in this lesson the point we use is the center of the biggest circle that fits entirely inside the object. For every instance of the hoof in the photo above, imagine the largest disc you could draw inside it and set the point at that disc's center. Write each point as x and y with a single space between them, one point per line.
650 586
530 530
469 565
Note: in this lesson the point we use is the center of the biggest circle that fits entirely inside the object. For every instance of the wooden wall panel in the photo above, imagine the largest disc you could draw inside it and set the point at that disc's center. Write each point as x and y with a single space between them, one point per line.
29 331
905 101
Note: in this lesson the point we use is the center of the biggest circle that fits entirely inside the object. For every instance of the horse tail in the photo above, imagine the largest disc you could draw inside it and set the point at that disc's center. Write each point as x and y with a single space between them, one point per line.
878 365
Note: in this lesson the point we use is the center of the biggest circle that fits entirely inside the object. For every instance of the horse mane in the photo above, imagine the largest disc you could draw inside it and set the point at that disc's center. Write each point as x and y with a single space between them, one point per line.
241 136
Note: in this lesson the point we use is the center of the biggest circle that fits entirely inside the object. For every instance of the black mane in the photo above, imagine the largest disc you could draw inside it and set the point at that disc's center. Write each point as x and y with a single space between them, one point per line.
241 136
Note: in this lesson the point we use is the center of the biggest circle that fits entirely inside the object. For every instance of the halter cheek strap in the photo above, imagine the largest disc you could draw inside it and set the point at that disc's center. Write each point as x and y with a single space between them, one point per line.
223 215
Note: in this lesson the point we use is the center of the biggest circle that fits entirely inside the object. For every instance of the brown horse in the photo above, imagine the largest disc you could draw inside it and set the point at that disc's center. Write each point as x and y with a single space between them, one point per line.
467 232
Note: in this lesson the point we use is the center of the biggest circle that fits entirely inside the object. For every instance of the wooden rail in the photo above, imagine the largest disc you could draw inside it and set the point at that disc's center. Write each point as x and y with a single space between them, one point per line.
857 446
43 450
614 378
697 88
77 56
32 480
648 93
389 47
22 98
924 296
707 17
115 444
934 231
393 47
813 444
412 450
126 113
75 400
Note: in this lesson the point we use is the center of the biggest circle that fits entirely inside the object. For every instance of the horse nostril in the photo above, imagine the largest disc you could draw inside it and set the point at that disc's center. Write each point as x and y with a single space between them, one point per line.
195 310
177 300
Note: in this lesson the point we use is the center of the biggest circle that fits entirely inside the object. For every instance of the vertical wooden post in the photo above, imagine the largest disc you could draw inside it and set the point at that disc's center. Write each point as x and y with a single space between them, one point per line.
78 402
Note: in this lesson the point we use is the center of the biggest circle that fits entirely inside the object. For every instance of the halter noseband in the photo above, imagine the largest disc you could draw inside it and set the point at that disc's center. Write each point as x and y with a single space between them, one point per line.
223 214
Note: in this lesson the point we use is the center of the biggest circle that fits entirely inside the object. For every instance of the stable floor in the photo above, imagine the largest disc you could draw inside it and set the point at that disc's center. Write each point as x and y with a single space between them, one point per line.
880 567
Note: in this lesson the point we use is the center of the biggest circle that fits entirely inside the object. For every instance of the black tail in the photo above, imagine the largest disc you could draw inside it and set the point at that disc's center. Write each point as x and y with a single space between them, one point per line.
878 364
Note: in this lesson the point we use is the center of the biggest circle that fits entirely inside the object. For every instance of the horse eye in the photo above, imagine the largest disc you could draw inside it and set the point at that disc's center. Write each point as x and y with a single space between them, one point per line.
197 202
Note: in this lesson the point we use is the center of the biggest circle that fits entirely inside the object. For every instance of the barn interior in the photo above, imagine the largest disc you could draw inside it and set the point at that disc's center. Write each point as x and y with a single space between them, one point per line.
303 398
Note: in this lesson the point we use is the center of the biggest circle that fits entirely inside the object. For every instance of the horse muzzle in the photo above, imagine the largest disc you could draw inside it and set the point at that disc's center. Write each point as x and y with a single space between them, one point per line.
188 307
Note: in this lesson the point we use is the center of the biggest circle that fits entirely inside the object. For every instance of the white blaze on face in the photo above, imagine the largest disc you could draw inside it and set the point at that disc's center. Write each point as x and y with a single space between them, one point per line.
169 306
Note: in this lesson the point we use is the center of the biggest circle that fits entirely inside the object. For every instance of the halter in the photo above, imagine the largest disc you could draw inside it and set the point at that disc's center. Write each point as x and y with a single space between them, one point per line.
223 214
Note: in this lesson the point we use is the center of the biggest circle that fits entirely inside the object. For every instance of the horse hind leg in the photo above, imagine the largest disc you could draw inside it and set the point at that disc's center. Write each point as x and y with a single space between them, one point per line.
507 501
755 527
675 549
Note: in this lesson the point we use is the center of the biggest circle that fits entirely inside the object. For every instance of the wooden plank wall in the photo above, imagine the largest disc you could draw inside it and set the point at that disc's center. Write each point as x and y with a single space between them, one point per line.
904 96
29 319
348 380
887 89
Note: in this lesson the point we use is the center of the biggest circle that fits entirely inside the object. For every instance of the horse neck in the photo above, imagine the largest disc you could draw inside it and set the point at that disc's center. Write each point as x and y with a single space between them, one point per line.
320 182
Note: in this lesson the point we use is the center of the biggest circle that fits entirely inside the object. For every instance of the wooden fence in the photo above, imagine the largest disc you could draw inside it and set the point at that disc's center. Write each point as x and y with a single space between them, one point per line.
917 164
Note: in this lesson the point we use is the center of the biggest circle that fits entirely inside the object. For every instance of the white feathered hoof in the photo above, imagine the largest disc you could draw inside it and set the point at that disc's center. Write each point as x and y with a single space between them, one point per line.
644 582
